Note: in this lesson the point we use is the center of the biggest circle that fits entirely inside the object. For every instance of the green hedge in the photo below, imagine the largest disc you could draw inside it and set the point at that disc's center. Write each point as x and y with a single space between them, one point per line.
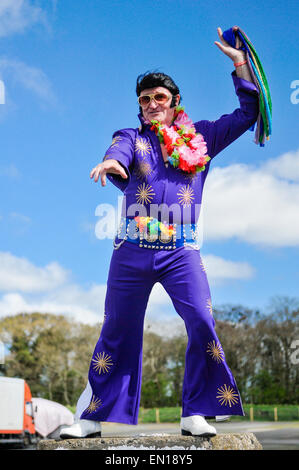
266 412
260 413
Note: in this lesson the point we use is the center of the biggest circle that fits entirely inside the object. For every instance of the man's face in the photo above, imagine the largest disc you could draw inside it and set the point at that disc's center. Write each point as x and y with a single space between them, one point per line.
160 112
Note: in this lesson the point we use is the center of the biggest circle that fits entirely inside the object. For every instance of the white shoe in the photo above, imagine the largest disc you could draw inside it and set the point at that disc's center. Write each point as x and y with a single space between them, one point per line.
81 428
196 425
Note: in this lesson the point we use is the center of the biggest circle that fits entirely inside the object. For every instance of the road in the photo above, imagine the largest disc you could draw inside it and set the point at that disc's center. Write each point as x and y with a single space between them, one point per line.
271 435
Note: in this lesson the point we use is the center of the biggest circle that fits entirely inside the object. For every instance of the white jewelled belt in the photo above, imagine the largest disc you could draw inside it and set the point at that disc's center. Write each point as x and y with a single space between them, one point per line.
184 235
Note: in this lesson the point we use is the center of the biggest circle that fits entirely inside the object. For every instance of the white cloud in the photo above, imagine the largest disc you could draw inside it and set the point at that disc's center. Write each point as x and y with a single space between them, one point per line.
159 296
31 78
220 270
286 166
21 275
18 15
13 303
258 205
28 288
49 289
168 326
88 308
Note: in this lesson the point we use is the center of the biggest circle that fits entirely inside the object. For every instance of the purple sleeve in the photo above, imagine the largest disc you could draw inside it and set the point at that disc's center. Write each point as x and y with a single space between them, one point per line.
122 150
222 132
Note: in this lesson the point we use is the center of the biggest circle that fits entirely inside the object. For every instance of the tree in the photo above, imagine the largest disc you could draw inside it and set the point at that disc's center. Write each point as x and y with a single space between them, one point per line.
154 370
52 353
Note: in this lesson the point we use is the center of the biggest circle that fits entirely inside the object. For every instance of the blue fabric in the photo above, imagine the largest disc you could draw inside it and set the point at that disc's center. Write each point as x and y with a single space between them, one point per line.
230 36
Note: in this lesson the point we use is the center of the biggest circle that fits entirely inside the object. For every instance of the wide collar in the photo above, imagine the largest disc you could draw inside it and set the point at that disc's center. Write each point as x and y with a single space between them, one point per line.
143 123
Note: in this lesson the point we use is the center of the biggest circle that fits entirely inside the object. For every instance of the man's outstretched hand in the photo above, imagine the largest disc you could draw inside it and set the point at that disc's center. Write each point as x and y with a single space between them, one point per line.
235 54
108 166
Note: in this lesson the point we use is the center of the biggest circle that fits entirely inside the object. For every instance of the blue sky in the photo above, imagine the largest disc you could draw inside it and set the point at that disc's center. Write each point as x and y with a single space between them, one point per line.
69 70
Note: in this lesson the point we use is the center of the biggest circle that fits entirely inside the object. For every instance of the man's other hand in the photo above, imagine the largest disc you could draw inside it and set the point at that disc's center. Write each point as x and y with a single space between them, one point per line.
108 166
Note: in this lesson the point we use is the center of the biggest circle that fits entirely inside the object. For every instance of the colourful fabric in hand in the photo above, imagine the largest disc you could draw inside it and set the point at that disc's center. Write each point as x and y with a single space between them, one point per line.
264 120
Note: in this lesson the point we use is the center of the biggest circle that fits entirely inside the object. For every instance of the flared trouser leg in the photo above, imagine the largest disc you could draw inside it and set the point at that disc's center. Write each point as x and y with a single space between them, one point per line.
115 372
209 387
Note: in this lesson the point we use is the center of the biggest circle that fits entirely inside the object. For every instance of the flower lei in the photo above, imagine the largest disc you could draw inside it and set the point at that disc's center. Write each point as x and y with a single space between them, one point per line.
186 149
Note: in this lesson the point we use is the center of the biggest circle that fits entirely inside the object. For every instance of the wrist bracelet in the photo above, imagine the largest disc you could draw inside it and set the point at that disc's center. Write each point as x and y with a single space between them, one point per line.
237 64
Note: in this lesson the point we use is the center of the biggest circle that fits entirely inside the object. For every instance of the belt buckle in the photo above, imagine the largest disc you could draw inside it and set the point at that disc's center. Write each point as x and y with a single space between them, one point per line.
150 237
147 236
157 235
165 238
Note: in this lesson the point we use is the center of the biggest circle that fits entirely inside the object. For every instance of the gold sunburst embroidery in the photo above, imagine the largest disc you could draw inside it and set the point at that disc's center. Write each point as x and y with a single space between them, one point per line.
209 305
143 170
227 396
115 141
145 193
94 404
215 350
142 146
186 195
102 362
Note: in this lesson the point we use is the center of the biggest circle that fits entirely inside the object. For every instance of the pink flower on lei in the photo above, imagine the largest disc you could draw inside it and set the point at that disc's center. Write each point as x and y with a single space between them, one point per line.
172 134
183 120
197 139
188 155
189 147
193 157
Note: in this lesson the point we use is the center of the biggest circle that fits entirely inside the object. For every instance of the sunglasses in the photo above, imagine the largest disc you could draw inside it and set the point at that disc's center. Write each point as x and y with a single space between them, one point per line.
159 98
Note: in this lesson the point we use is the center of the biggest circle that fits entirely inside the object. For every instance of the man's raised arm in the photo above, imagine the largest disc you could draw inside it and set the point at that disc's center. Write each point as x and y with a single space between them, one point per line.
222 132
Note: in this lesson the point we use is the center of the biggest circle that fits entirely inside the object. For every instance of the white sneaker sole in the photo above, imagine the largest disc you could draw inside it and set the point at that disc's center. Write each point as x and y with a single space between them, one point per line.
204 434
65 435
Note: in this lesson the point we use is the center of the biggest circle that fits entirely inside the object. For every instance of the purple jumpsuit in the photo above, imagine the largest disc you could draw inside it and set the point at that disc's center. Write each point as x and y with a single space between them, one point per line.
114 381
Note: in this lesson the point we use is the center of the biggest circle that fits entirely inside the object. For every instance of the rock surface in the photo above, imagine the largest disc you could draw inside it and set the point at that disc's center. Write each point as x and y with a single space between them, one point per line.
233 441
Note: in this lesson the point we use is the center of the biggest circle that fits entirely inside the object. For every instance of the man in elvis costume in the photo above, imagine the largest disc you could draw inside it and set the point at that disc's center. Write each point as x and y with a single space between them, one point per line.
137 163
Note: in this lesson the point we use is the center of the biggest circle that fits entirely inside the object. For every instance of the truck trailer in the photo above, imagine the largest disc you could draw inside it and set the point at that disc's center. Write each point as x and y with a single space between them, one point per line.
16 413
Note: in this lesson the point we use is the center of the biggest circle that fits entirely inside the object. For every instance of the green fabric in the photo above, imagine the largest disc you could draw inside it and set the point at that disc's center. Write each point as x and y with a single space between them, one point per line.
265 101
